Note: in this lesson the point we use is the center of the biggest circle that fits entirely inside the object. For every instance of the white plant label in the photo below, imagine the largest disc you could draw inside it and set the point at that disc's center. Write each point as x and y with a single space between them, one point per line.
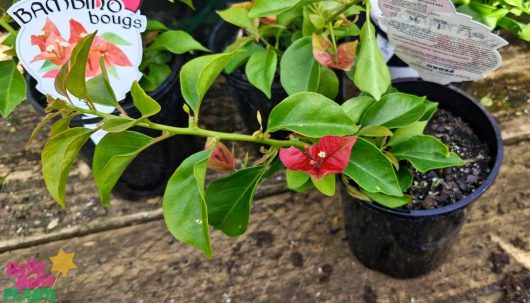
442 45
50 29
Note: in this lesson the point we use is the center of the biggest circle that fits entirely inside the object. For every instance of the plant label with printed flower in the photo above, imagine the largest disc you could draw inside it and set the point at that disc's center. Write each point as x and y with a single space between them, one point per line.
51 29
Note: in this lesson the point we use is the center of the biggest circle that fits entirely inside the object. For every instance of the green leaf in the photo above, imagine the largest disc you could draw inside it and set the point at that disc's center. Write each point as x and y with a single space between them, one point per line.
372 170
394 111
355 107
76 80
229 200
299 71
58 157
158 73
60 80
260 70
115 39
515 27
426 153
184 205
386 200
238 16
266 8
13 88
100 92
198 75
371 73
61 125
155 25
405 178
143 102
326 186
311 115
116 124
328 84
375 131
407 132
296 179
247 50
430 110
176 42
112 156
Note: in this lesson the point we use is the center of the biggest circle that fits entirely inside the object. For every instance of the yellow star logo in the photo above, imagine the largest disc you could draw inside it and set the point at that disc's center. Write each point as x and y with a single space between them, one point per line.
63 262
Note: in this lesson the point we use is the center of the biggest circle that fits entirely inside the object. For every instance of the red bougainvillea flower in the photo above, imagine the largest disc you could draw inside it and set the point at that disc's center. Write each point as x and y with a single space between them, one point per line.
343 59
222 158
330 156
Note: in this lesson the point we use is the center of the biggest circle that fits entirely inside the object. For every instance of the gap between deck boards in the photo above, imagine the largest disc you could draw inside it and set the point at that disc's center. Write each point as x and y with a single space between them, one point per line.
514 131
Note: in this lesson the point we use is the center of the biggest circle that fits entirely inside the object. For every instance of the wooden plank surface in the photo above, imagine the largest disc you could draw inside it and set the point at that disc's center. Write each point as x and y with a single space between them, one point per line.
291 239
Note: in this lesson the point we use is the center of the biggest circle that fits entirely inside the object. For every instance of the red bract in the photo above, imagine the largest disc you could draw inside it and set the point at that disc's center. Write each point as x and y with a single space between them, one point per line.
222 158
343 59
330 156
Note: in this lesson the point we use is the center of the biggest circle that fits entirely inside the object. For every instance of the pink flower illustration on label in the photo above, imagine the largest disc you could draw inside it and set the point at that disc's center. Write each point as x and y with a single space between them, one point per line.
50 31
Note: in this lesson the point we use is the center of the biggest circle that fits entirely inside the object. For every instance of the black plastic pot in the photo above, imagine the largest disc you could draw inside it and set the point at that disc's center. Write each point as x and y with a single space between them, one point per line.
249 99
148 174
408 243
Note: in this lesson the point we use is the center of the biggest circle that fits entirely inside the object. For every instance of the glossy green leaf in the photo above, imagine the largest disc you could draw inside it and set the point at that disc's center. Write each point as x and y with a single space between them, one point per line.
247 49
265 8
299 71
117 124
405 178
198 75
61 125
312 115
58 157
372 170
296 179
260 70
184 205
375 131
99 89
157 74
407 132
13 88
328 84
426 153
76 80
143 102
229 200
326 185
238 16
60 80
430 110
112 156
387 200
394 111
355 107
371 73
176 42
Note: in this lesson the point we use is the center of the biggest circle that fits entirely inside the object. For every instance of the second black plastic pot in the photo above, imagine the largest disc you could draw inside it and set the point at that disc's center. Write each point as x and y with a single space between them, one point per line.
148 174
408 243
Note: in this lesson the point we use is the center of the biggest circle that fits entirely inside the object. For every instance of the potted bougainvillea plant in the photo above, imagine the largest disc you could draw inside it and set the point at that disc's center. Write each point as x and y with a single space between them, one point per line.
401 186
288 49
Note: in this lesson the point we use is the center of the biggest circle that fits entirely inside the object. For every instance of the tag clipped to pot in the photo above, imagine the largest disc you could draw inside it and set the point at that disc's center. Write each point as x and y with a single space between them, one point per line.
443 46
50 29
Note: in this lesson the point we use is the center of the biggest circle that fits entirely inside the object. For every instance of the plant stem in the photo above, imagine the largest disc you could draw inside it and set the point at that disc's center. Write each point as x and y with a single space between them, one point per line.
196 131
340 11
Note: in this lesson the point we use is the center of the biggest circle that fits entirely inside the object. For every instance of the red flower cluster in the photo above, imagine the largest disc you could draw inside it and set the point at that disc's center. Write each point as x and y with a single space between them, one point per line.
57 50
342 59
330 156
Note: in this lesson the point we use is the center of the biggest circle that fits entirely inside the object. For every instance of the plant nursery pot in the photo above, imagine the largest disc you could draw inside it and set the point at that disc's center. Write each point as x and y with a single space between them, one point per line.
249 99
148 174
409 243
